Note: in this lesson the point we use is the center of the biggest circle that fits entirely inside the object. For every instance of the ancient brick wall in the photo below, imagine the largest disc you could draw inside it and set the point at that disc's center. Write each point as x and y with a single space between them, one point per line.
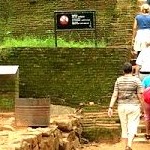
68 76
122 26
114 18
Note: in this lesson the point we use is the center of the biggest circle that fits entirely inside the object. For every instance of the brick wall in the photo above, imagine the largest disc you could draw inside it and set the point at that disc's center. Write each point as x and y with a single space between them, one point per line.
114 18
122 26
68 76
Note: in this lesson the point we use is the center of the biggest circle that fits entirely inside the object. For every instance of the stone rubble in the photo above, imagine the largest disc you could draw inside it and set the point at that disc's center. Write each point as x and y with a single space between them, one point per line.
63 133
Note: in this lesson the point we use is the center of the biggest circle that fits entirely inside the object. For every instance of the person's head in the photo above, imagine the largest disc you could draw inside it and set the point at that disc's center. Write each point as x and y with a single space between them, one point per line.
145 8
127 68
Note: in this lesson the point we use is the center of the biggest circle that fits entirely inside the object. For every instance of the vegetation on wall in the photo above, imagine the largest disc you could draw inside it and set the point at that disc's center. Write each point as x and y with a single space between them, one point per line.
22 18
47 42
101 134
7 104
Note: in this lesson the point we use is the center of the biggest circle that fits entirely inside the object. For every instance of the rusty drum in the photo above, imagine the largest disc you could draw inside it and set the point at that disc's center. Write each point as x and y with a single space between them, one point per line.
32 112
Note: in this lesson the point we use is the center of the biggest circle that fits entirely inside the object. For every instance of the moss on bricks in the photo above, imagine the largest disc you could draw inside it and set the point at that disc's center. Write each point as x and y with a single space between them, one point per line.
101 134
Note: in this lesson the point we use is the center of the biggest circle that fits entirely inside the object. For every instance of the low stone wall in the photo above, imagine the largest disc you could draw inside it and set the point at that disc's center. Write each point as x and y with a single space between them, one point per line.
67 75
63 133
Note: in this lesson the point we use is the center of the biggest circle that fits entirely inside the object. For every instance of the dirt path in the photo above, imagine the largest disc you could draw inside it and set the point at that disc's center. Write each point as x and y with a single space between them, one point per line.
117 146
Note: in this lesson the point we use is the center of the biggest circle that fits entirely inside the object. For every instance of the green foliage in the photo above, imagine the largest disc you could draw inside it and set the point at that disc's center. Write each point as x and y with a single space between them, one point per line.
92 108
134 2
27 42
101 134
48 42
6 104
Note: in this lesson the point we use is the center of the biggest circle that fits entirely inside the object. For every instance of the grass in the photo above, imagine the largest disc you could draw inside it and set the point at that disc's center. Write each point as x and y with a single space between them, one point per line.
92 108
48 42
101 135
6 104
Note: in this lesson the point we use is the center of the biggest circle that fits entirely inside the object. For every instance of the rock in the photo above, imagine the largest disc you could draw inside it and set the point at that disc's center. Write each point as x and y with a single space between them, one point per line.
63 133
7 127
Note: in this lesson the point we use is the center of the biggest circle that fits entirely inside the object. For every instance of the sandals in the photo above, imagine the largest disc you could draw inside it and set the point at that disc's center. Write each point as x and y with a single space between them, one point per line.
128 148
147 137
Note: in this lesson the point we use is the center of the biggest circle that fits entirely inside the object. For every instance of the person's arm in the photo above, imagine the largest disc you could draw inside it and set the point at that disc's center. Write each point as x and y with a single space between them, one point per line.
140 94
139 62
134 30
113 100
137 70
140 97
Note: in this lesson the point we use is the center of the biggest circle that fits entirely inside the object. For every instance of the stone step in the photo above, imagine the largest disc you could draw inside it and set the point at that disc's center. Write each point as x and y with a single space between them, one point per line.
116 118
99 115
141 140
102 124
108 119
108 125
107 122
100 121
103 127
101 108
141 125
7 114
140 135
141 128
101 118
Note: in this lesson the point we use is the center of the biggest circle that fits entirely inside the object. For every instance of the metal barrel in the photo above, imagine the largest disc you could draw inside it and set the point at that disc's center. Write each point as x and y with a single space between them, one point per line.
32 112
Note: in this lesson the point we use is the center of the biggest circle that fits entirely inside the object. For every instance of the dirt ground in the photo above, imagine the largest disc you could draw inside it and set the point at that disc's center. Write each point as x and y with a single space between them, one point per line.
117 146
95 146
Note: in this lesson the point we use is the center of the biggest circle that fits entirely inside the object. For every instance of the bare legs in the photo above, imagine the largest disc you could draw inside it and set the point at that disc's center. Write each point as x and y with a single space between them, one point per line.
147 119
147 124
147 127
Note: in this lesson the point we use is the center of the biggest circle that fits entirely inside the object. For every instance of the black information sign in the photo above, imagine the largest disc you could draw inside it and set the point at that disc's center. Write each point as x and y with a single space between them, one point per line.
75 20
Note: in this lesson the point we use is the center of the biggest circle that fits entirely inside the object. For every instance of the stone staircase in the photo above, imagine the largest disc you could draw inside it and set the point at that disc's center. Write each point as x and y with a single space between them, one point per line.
101 120
141 132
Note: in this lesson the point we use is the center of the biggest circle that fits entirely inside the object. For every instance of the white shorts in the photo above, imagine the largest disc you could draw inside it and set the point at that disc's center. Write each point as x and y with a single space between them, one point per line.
129 115
142 36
